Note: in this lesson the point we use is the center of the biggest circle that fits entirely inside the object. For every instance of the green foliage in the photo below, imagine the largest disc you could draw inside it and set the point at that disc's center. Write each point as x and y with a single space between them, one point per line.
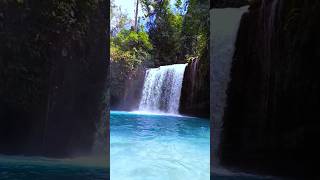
131 47
172 36
178 4
127 46
176 36
164 30
195 34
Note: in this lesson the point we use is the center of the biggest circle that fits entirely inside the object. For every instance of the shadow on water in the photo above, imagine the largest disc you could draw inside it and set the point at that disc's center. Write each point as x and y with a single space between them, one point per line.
40 168
220 173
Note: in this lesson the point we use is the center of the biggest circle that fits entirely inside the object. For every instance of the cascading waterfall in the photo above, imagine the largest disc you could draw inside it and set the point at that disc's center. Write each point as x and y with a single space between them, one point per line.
100 146
194 67
224 28
100 141
162 89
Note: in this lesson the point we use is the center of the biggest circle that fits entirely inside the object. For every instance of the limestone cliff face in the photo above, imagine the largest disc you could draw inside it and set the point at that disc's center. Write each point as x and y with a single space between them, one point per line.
271 119
54 71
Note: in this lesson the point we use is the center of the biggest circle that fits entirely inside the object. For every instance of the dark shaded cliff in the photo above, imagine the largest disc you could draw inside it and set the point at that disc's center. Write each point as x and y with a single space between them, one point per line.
53 75
271 121
227 3
195 92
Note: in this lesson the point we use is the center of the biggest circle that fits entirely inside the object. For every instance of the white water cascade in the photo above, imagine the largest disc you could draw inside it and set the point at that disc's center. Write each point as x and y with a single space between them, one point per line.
162 89
224 28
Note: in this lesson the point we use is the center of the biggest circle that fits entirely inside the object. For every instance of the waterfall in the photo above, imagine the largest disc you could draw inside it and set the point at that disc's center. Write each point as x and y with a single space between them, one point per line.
194 67
162 89
100 146
223 27
100 141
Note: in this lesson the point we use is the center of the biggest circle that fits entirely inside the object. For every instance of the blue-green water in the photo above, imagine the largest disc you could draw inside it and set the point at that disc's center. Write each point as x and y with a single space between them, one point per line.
39 168
158 147
142 147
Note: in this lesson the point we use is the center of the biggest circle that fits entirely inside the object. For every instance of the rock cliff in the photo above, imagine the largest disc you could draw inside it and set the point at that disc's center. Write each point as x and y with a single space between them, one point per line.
53 75
195 93
271 118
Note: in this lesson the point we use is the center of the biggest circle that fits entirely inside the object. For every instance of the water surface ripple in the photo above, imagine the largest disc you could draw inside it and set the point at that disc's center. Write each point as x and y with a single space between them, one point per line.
159 147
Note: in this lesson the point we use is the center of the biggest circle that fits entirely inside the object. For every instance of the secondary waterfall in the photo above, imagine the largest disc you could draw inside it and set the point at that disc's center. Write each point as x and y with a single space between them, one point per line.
194 66
162 89
100 147
223 27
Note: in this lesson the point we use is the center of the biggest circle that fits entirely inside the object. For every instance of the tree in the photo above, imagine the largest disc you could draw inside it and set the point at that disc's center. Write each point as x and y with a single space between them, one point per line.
136 16
164 31
195 33
118 19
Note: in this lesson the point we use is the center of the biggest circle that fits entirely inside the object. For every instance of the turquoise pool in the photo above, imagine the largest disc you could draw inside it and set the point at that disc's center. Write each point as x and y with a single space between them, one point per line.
158 147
